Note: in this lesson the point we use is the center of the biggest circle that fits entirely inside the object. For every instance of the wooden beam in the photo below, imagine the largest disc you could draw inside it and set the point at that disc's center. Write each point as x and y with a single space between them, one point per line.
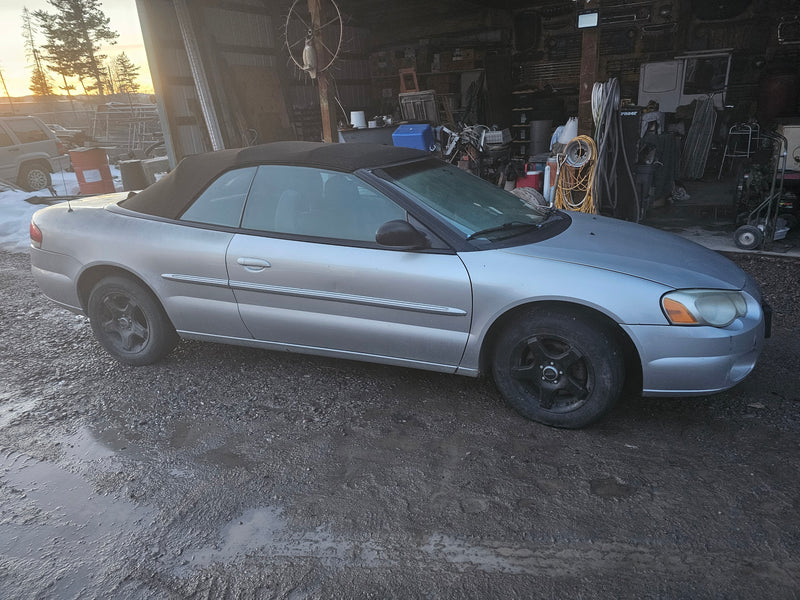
327 99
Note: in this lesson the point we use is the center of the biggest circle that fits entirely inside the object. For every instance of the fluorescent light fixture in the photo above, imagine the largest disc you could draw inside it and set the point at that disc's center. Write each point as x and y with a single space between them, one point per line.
588 19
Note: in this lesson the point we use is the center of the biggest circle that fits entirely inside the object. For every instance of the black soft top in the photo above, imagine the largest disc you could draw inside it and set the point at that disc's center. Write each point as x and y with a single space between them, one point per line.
170 195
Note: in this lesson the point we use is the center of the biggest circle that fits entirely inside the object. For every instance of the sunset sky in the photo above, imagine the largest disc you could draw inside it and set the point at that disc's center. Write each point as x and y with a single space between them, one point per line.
124 20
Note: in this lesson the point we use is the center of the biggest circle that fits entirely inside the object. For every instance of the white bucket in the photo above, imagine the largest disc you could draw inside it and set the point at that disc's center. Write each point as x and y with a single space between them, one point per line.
358 119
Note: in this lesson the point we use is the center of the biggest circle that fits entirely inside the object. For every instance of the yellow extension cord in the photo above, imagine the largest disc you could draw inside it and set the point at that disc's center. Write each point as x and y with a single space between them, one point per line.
574 185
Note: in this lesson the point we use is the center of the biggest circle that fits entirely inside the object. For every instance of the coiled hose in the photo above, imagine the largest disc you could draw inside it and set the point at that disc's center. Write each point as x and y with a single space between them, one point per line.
576 176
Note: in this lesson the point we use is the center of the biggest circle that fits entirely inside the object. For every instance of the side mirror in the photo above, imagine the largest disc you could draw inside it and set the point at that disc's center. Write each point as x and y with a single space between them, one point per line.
400 235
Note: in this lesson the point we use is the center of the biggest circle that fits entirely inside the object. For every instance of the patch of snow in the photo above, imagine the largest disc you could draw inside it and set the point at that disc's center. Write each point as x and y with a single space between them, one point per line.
15 213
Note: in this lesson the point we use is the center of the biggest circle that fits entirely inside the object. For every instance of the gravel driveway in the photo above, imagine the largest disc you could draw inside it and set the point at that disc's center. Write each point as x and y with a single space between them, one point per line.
227 472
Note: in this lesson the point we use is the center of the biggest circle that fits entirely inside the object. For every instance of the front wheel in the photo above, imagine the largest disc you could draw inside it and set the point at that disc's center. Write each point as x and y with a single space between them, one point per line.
557 367
129 321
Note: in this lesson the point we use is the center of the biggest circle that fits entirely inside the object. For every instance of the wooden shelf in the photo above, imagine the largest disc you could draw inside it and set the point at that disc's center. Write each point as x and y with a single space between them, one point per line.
432 73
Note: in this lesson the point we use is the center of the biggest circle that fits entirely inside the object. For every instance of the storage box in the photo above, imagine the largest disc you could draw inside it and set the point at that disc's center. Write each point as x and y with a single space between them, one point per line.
414 136
419 106
497 137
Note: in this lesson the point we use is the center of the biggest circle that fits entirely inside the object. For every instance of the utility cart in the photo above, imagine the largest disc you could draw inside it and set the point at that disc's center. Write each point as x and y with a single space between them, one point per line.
764 223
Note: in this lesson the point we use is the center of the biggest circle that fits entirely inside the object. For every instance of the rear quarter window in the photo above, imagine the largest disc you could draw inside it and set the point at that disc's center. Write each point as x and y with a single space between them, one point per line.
222 202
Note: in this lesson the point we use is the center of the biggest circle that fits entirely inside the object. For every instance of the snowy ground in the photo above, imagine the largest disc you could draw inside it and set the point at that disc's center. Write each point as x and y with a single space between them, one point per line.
16 213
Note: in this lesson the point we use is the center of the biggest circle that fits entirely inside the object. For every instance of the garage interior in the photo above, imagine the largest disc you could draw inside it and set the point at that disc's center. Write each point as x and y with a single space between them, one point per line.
697 102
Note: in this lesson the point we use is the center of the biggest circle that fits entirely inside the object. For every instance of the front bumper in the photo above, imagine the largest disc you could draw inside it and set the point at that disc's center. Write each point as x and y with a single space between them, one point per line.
695 361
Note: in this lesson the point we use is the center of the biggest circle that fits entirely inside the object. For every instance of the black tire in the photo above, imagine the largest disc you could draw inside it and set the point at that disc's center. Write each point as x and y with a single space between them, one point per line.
557 367
748 237
129 322
34 177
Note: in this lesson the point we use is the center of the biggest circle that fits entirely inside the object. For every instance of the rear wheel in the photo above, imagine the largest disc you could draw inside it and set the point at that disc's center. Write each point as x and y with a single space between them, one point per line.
556 367
34 177
129 322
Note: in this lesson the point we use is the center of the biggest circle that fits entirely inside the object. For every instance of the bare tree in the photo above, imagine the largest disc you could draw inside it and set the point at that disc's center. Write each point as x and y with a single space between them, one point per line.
41 84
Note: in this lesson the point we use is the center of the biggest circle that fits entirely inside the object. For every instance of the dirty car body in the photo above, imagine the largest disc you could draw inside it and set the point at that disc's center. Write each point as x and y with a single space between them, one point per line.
388 255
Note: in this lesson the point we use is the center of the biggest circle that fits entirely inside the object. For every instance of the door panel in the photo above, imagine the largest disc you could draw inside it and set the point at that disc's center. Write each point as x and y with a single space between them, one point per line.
185 266
408 305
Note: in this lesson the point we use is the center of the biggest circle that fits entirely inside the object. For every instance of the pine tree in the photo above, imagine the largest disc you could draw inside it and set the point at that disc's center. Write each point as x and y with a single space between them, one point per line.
41 84
126 74
74 34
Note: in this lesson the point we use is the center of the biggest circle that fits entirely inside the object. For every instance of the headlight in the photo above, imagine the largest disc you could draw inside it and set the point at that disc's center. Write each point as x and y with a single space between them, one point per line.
717 308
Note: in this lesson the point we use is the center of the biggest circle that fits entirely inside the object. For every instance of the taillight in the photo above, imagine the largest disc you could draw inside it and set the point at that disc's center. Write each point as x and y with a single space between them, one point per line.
61 148
36 235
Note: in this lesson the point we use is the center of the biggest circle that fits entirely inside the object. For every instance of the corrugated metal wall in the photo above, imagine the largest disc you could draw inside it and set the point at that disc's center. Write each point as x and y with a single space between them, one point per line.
258 94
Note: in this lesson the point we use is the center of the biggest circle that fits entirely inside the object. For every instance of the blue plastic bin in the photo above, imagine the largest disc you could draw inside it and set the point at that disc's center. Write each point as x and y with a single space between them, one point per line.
414 136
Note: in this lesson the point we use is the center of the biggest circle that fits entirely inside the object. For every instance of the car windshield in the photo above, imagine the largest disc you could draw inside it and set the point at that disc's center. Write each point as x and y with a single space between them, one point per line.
476 208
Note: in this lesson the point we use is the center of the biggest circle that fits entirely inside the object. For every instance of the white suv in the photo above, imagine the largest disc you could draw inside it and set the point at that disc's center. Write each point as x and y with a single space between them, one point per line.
29 152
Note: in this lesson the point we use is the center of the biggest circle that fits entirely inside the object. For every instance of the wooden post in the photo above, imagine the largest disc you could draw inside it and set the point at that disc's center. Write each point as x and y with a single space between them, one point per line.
590 66
7 94
327 100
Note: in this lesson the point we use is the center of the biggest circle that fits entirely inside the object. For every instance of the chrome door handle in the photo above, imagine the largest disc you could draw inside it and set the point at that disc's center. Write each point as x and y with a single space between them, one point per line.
253 264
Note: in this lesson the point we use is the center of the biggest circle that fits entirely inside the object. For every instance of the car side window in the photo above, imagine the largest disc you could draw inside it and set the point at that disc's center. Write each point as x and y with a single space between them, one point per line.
312 202
27 130
5 139
221 203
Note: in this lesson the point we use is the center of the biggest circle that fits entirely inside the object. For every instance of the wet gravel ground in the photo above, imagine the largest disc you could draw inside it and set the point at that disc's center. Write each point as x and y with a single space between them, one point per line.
226 472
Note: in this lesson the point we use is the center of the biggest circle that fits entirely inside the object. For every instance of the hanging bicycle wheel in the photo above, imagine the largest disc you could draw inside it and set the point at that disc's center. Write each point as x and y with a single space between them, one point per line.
300 33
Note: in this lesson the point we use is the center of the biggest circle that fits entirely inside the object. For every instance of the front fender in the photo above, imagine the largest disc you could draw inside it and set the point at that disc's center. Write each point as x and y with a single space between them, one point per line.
503 282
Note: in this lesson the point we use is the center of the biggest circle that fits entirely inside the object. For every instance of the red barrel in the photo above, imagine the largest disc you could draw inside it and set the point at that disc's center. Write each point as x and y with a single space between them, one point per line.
91 167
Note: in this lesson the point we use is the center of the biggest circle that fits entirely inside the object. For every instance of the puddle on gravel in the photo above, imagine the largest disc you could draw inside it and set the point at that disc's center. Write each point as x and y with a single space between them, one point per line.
263 531
55 521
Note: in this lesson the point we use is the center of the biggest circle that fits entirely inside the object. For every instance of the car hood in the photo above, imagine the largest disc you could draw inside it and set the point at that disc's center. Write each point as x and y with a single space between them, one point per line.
639 251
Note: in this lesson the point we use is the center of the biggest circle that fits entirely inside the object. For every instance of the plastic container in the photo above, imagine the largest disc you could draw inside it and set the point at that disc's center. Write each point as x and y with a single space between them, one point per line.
540 136
534 179
414 136
133 175
358 119
91 169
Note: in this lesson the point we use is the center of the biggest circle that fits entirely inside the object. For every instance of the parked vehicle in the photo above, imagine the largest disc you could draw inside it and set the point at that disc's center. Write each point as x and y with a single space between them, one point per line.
70 137
388 255
29 152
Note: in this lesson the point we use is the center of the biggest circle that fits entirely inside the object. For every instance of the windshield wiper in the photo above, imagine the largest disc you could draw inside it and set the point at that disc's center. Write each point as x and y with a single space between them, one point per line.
508 226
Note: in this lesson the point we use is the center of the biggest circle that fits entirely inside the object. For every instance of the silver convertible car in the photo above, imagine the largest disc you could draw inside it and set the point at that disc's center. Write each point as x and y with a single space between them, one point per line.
388 255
